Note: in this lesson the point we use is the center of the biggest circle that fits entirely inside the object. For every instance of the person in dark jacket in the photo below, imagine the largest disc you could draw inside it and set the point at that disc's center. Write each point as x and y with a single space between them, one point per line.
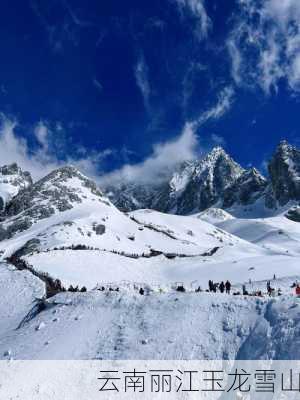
228 287
222 287
210 286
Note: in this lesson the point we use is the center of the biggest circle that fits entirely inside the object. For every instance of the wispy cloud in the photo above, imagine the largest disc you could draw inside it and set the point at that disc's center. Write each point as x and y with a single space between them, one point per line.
265 44
188 83
59 33
142 81
224 102
157 167
75 18
166 156
236 60
98 85
15 148
196 9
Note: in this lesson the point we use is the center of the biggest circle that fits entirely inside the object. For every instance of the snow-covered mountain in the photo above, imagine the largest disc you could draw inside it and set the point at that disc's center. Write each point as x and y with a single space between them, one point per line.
64 227
54 204
12 180
194 186
217 181
65 217
284 170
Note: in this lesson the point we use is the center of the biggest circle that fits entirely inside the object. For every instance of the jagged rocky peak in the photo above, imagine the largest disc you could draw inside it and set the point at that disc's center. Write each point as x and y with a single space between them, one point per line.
218 164
218 181
284 170
59 191
69 175
206 182
192 187
12 180
249 186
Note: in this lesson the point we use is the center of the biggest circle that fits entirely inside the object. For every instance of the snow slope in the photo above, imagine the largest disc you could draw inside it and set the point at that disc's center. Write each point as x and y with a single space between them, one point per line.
187 237
123 251
65 210
89 268
65 226
214 215
160 326
19 290
276 233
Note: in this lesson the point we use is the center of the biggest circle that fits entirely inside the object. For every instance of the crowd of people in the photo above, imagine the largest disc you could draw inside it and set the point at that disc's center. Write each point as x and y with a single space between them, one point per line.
221 287
214 287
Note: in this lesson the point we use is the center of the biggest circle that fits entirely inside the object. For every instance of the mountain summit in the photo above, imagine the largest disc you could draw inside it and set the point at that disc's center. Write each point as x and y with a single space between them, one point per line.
217 181
284 170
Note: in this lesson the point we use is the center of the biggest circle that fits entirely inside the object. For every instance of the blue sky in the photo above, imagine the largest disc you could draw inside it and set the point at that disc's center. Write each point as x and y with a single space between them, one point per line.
138 86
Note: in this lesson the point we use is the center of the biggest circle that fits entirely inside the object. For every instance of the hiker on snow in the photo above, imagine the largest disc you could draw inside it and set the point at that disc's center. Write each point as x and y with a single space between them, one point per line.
227 287
244 289
222 287
269 289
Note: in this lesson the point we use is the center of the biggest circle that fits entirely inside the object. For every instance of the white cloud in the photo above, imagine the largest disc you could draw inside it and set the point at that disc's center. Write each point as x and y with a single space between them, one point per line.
283 10
163 159
236 60
14 148
197 9
142 81
166 156
223 105
157 167
265 44
41 132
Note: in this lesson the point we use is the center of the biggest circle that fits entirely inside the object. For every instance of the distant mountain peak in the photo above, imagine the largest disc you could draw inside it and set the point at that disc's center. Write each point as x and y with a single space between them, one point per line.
218 151
284 170
12 180
61 190
217 180
65 172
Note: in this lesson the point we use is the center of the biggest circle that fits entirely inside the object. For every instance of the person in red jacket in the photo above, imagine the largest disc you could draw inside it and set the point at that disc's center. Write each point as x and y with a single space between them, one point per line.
298 290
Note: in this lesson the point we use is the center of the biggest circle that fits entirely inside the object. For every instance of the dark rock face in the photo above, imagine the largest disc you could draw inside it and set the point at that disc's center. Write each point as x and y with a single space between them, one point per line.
210 179
99 229
57 192
12 180
248 188
195 186
284 170
217 181
293 214
130 196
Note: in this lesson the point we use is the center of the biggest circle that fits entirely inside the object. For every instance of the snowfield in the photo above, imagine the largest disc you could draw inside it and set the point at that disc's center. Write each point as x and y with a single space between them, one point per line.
252 250
125 325
89 268
19 291
65 227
